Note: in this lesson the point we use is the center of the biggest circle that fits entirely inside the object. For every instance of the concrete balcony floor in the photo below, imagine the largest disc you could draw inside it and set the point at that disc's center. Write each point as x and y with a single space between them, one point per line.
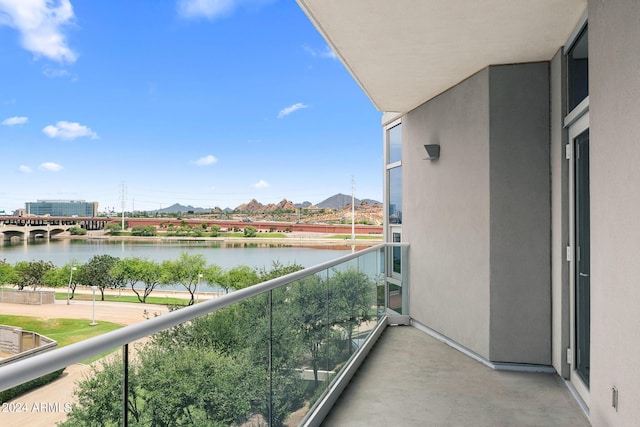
412 379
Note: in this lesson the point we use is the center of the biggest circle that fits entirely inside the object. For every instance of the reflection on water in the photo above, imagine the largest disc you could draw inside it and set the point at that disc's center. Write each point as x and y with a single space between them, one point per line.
226 254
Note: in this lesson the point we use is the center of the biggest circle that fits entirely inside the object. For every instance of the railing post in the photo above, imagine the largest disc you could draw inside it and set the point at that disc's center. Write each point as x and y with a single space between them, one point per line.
125 385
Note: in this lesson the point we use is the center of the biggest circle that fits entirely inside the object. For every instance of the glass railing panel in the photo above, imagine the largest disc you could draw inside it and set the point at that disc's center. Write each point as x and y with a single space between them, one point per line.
394 297
301 339
263 358
34 403
352 314
212 370
55 398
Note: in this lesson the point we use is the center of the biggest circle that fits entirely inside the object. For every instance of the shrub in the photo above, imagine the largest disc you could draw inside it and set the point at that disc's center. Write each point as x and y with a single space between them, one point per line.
250 232
29 385
143 230
77 231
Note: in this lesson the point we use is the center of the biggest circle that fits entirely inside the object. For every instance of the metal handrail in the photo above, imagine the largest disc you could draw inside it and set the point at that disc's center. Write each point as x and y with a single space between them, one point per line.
28 369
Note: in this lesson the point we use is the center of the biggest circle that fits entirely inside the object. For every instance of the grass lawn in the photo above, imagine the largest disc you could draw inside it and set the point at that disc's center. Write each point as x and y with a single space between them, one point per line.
125 298
65 331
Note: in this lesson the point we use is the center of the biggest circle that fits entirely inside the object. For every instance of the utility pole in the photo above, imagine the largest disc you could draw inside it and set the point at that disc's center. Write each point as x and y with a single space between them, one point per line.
123 201
353 208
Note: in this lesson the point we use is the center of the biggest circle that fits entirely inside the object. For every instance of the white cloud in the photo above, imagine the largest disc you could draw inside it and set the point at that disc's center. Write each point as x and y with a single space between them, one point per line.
68 130
212 9
50 166
290 109
206 160
24 169
209 9
327 52
11 121
261 184
53 73
40 23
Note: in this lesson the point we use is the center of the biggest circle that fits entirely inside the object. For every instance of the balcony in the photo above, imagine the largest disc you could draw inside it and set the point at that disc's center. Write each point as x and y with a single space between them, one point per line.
307 336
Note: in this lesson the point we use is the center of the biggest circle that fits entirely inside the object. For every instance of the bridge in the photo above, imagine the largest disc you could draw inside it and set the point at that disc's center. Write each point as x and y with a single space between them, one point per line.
34 227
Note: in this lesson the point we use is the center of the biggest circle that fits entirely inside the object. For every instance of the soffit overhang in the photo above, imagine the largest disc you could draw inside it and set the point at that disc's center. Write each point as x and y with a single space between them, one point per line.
403 53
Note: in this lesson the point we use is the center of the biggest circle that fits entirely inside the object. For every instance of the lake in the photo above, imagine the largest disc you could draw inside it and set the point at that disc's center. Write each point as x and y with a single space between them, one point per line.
225 254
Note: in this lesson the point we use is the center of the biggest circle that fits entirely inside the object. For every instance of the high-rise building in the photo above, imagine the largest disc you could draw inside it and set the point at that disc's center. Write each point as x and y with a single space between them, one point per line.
67 208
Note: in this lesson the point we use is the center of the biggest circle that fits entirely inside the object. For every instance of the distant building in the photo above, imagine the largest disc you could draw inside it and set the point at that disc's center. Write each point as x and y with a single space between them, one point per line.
62 208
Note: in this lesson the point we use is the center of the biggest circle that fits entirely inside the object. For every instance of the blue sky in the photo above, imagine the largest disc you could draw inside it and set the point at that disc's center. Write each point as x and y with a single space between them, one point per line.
199 102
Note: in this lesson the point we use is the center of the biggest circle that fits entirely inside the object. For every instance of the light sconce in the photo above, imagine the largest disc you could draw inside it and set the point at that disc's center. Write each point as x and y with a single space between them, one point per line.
433 151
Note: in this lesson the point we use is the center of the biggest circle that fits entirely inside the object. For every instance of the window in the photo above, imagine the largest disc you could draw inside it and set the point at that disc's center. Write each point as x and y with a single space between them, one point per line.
395 196
394 136
394 174
578 69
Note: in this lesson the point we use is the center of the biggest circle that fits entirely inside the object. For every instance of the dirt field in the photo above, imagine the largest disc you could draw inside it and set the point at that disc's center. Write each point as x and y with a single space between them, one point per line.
49 404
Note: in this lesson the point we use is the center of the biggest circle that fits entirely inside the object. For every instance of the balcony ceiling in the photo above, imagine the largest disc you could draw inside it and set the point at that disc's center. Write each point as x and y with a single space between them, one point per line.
403 53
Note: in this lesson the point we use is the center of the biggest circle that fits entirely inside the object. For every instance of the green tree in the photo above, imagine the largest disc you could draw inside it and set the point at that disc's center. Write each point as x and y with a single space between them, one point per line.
96 272
197 386
250 231
211 274
184 271
239 277
352 300
60 277
99 397
211 371
309 299
277 270
8 275
57 277
113 228
215 230
32 273
133 271
150 274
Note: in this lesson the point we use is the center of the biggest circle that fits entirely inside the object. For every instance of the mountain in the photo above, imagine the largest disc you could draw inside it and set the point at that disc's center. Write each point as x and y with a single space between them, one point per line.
339 201
304 205
336 202
177 207
256 207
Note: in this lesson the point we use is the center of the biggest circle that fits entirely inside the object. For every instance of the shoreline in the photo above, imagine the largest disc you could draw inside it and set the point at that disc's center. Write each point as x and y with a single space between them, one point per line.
301 239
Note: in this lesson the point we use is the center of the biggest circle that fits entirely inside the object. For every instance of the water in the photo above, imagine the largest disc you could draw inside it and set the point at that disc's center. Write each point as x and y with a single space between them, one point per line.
224 254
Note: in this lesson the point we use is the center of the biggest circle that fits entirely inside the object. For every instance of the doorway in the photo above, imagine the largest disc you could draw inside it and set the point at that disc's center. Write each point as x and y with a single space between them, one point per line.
581 259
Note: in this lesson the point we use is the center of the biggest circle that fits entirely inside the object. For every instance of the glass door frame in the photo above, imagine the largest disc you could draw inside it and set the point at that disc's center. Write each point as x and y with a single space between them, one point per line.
577 127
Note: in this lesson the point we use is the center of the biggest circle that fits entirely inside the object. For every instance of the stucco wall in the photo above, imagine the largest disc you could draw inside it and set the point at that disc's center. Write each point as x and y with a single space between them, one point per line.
614 92
446 212
478 218
520 213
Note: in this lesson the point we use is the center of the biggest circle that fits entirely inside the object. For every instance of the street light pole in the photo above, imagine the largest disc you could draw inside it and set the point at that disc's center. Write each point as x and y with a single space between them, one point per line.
69 287
198 285
93 321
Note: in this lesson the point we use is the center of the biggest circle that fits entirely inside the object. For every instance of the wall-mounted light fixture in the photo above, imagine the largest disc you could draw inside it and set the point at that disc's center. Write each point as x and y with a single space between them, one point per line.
433 151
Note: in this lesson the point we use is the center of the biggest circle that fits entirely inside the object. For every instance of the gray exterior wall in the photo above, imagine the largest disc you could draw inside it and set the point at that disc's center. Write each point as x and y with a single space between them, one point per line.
446 213
478 219
614 97
520 214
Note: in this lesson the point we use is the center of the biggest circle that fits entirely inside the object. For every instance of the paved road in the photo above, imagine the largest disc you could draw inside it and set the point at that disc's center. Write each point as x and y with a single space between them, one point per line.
48 405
